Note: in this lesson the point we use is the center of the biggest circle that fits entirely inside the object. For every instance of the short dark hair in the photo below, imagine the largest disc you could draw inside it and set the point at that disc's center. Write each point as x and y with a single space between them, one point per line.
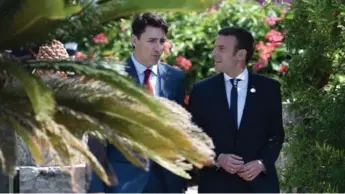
141 21
245 39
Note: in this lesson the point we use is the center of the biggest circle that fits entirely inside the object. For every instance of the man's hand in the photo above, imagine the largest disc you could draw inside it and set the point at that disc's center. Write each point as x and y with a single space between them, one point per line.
230 162
251 170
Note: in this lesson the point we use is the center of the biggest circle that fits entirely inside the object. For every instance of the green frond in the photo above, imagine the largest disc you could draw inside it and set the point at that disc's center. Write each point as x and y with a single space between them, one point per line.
41 97
114 78
79 123
53 136
7 148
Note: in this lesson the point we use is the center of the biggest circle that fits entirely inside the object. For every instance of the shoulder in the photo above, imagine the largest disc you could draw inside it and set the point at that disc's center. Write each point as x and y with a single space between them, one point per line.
209 81
172 71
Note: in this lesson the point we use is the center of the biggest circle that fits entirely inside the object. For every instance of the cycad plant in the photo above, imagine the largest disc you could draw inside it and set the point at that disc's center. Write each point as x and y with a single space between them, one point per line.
46 107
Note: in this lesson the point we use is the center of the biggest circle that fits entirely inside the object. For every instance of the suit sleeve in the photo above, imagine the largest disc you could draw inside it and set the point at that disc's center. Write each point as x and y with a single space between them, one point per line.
98 149
194 104
275 139
181 91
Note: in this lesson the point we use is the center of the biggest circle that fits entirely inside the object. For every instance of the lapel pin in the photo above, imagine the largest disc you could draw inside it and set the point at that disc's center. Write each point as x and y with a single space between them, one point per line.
252 90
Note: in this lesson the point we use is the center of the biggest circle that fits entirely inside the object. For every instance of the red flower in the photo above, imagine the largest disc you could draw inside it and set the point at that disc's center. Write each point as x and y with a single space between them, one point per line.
100 38
80 56
335 14
272 20
283 69
91 56
261 63
183 62
186 99
166 46
257 66
274 36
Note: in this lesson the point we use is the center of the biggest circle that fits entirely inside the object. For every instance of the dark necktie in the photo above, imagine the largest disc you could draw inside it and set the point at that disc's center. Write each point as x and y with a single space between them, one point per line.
233 101
147 82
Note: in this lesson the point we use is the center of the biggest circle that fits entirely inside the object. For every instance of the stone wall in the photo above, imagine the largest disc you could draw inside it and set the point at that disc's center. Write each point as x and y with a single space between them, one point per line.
51 179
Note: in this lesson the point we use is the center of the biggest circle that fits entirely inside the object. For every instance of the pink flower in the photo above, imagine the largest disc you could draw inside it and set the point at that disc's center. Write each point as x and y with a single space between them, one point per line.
183 62
261 63
274 36
264 57
260 45
80 56
284 11
100 38
123 27
257 66
166 46
273 45
272 20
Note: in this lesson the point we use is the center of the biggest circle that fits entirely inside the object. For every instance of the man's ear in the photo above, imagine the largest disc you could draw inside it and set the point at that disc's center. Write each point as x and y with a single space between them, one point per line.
134 40
241 54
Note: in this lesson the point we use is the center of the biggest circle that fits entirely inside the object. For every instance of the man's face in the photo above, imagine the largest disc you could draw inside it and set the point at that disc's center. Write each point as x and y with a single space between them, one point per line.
149 46
224 54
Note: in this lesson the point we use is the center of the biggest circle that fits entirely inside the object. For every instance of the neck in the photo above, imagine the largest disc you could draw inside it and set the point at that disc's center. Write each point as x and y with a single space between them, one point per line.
234 72
141 61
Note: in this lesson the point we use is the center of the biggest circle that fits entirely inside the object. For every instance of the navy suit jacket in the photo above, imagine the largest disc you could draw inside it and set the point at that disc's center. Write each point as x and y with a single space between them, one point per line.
132 179
259 137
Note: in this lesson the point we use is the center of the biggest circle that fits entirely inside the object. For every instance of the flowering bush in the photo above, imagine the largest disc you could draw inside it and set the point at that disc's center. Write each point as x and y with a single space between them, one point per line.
191 38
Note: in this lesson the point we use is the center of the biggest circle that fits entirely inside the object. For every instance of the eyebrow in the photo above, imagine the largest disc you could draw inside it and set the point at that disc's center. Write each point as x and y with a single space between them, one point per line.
157 38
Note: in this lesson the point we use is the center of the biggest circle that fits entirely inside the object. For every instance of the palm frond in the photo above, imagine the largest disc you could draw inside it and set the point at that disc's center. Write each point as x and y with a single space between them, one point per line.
98 71
41 97
50 135
80 123
167 139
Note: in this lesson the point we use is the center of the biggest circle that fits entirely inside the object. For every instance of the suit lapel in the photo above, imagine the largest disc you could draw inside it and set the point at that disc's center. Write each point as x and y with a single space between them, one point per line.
163 81
130 69
250 101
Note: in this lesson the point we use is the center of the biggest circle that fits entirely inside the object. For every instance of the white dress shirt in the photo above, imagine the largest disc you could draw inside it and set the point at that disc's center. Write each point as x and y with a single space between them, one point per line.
241 91
140 68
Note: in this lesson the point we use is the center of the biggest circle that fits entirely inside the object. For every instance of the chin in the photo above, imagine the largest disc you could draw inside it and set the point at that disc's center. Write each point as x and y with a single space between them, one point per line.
217 69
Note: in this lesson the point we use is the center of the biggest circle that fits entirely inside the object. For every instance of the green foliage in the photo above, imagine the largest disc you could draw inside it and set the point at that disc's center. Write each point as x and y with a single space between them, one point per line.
192 36
315 88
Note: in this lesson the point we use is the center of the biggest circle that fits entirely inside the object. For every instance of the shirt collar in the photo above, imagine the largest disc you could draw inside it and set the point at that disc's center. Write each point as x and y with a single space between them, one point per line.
243 76
141 68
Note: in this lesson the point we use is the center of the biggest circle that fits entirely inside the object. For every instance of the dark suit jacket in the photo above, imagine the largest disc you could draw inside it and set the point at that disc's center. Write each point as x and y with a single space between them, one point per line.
131 178
260 135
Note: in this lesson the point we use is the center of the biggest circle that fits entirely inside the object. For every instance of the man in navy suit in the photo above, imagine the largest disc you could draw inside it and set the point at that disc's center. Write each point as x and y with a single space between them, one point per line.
149 34
242 113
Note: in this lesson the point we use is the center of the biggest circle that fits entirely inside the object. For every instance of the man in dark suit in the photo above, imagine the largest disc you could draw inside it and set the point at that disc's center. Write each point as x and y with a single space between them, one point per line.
149 34
242 113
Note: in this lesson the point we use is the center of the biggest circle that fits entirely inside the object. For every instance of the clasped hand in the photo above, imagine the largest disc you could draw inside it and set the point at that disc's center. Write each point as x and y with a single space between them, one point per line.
235 165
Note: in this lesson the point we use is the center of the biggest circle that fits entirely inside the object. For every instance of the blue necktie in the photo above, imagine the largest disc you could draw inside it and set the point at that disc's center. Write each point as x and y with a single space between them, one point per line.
233 101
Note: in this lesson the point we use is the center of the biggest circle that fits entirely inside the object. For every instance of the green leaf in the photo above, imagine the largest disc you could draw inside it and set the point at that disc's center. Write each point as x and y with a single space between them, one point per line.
31 20
118 8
